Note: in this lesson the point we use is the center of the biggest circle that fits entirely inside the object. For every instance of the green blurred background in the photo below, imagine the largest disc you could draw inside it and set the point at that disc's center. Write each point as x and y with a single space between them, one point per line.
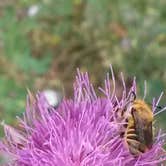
43 42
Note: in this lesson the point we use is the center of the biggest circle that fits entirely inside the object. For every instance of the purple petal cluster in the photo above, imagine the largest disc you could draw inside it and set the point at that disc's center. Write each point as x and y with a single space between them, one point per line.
82 131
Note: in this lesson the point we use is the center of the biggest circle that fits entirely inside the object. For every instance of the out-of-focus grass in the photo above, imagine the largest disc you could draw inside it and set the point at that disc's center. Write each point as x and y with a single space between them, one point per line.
43 49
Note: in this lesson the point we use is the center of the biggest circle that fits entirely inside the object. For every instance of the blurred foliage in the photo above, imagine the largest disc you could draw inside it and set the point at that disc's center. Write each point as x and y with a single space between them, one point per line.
43 42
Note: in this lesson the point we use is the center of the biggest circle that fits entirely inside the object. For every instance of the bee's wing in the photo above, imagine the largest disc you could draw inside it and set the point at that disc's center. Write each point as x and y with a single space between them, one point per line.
143 130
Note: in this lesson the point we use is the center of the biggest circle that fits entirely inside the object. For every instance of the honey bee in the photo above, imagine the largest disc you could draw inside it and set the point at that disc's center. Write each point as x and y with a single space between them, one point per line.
138 133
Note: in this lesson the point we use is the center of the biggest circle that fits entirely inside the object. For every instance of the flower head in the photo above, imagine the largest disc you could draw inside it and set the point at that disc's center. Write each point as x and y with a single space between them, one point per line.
83 131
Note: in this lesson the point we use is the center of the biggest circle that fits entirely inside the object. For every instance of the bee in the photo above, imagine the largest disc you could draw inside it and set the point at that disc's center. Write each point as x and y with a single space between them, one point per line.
138 133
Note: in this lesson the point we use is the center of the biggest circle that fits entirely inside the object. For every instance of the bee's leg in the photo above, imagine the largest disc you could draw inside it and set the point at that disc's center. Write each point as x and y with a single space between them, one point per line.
134 151
133 146
136 147
143 148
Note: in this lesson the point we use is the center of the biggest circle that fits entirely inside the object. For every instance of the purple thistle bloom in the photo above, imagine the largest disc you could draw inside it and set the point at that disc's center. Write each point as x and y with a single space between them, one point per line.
82 131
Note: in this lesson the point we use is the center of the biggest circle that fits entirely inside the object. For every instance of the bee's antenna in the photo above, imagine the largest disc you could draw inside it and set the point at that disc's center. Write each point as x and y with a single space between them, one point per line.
159 107
156 106
161 110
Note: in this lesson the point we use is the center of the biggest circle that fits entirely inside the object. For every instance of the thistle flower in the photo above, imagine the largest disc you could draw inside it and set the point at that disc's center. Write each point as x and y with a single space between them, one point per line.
82 131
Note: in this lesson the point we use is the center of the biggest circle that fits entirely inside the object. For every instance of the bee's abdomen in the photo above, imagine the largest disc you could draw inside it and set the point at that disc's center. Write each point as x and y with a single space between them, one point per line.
132 141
